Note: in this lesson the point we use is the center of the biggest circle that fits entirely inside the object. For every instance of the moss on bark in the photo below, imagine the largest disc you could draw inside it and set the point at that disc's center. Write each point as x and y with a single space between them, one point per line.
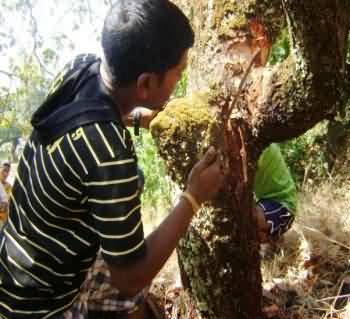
213 254
183 132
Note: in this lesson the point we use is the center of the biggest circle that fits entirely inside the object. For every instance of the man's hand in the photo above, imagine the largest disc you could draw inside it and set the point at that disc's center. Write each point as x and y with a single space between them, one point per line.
206 177
146 116
263 226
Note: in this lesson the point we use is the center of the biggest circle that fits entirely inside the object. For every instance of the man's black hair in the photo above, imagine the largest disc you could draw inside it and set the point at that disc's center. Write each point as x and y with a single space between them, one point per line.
144 36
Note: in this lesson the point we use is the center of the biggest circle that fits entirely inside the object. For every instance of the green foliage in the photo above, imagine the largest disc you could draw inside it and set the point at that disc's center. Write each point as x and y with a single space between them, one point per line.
280 49
8 134
37 37
17 104
306 155
158 187
181 86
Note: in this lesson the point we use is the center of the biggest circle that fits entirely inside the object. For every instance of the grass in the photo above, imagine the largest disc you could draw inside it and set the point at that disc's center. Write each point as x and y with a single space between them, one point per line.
313 259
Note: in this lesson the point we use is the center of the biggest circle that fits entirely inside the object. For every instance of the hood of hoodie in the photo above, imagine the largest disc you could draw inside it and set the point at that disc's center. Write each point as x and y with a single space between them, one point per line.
77 97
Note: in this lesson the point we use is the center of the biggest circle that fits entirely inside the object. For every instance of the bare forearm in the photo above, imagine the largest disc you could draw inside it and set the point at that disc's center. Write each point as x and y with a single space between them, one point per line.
204 181
160 245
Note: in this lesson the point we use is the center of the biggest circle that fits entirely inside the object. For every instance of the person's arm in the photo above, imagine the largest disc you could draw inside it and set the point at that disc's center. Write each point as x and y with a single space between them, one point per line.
3 195
132 278
114 204
261 222
3 198
204 181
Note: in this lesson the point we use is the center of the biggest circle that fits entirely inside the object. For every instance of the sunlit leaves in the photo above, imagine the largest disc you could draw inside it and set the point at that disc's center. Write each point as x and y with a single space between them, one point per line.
37 37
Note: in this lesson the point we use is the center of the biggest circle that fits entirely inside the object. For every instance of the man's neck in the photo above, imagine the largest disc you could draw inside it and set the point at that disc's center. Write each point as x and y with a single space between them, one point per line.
123 97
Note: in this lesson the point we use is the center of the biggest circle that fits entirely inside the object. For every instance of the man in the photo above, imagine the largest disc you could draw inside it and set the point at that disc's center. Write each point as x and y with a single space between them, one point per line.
76 188
276 199
4 174
5 191
3 205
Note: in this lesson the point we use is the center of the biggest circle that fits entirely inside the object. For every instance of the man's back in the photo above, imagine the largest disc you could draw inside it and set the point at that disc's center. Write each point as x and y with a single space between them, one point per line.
48 233
69 198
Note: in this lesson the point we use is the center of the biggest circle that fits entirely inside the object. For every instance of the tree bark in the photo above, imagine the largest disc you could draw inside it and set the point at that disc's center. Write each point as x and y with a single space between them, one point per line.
220 255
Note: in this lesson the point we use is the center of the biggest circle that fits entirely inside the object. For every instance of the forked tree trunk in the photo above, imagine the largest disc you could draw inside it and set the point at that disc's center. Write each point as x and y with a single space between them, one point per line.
220 254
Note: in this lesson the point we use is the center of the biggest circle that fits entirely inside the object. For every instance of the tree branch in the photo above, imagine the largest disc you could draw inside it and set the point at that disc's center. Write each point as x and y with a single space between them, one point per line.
90 11
309 86
10 75
35 33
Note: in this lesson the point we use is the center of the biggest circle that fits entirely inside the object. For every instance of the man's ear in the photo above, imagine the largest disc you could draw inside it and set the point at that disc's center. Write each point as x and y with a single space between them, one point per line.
146 83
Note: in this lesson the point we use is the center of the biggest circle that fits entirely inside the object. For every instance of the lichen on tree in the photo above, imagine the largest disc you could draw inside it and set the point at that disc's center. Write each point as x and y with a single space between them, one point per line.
183 132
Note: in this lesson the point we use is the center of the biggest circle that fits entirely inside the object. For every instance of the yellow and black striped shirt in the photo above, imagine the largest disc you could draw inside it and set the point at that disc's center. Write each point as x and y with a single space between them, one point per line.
70 198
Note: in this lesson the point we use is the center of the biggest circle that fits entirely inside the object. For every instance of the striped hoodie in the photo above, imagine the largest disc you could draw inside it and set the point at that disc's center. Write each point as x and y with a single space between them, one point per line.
75 192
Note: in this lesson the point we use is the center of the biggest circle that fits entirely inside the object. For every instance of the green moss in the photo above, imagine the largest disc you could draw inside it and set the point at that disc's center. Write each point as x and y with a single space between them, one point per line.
183 131
235 14
182 118
231 15
193 259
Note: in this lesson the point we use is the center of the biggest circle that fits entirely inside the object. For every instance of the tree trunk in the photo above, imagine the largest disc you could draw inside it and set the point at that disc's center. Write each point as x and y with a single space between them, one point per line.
220 253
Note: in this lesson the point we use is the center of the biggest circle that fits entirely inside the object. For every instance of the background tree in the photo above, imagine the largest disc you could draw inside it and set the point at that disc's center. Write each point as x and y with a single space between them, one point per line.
35 42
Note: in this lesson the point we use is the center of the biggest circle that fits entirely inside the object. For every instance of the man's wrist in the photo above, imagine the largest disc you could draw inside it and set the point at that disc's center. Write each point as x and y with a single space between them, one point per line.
192 201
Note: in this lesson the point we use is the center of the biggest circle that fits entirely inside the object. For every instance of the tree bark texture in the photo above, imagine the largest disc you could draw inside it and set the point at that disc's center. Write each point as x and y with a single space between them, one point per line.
220 255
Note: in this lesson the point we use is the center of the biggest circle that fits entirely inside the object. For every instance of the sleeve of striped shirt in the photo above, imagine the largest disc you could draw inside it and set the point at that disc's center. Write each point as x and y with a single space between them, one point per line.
113 198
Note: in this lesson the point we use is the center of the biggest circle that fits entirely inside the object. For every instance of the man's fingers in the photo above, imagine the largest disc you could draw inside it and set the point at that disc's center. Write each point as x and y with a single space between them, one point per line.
215 169
207 159
263 237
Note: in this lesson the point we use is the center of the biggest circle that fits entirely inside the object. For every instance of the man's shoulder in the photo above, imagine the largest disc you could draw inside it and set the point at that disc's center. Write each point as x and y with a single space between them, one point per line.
81 60
95 128
71 68
105 137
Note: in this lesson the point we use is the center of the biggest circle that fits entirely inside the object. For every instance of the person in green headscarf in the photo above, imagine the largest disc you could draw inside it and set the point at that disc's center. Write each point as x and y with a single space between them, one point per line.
275 193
